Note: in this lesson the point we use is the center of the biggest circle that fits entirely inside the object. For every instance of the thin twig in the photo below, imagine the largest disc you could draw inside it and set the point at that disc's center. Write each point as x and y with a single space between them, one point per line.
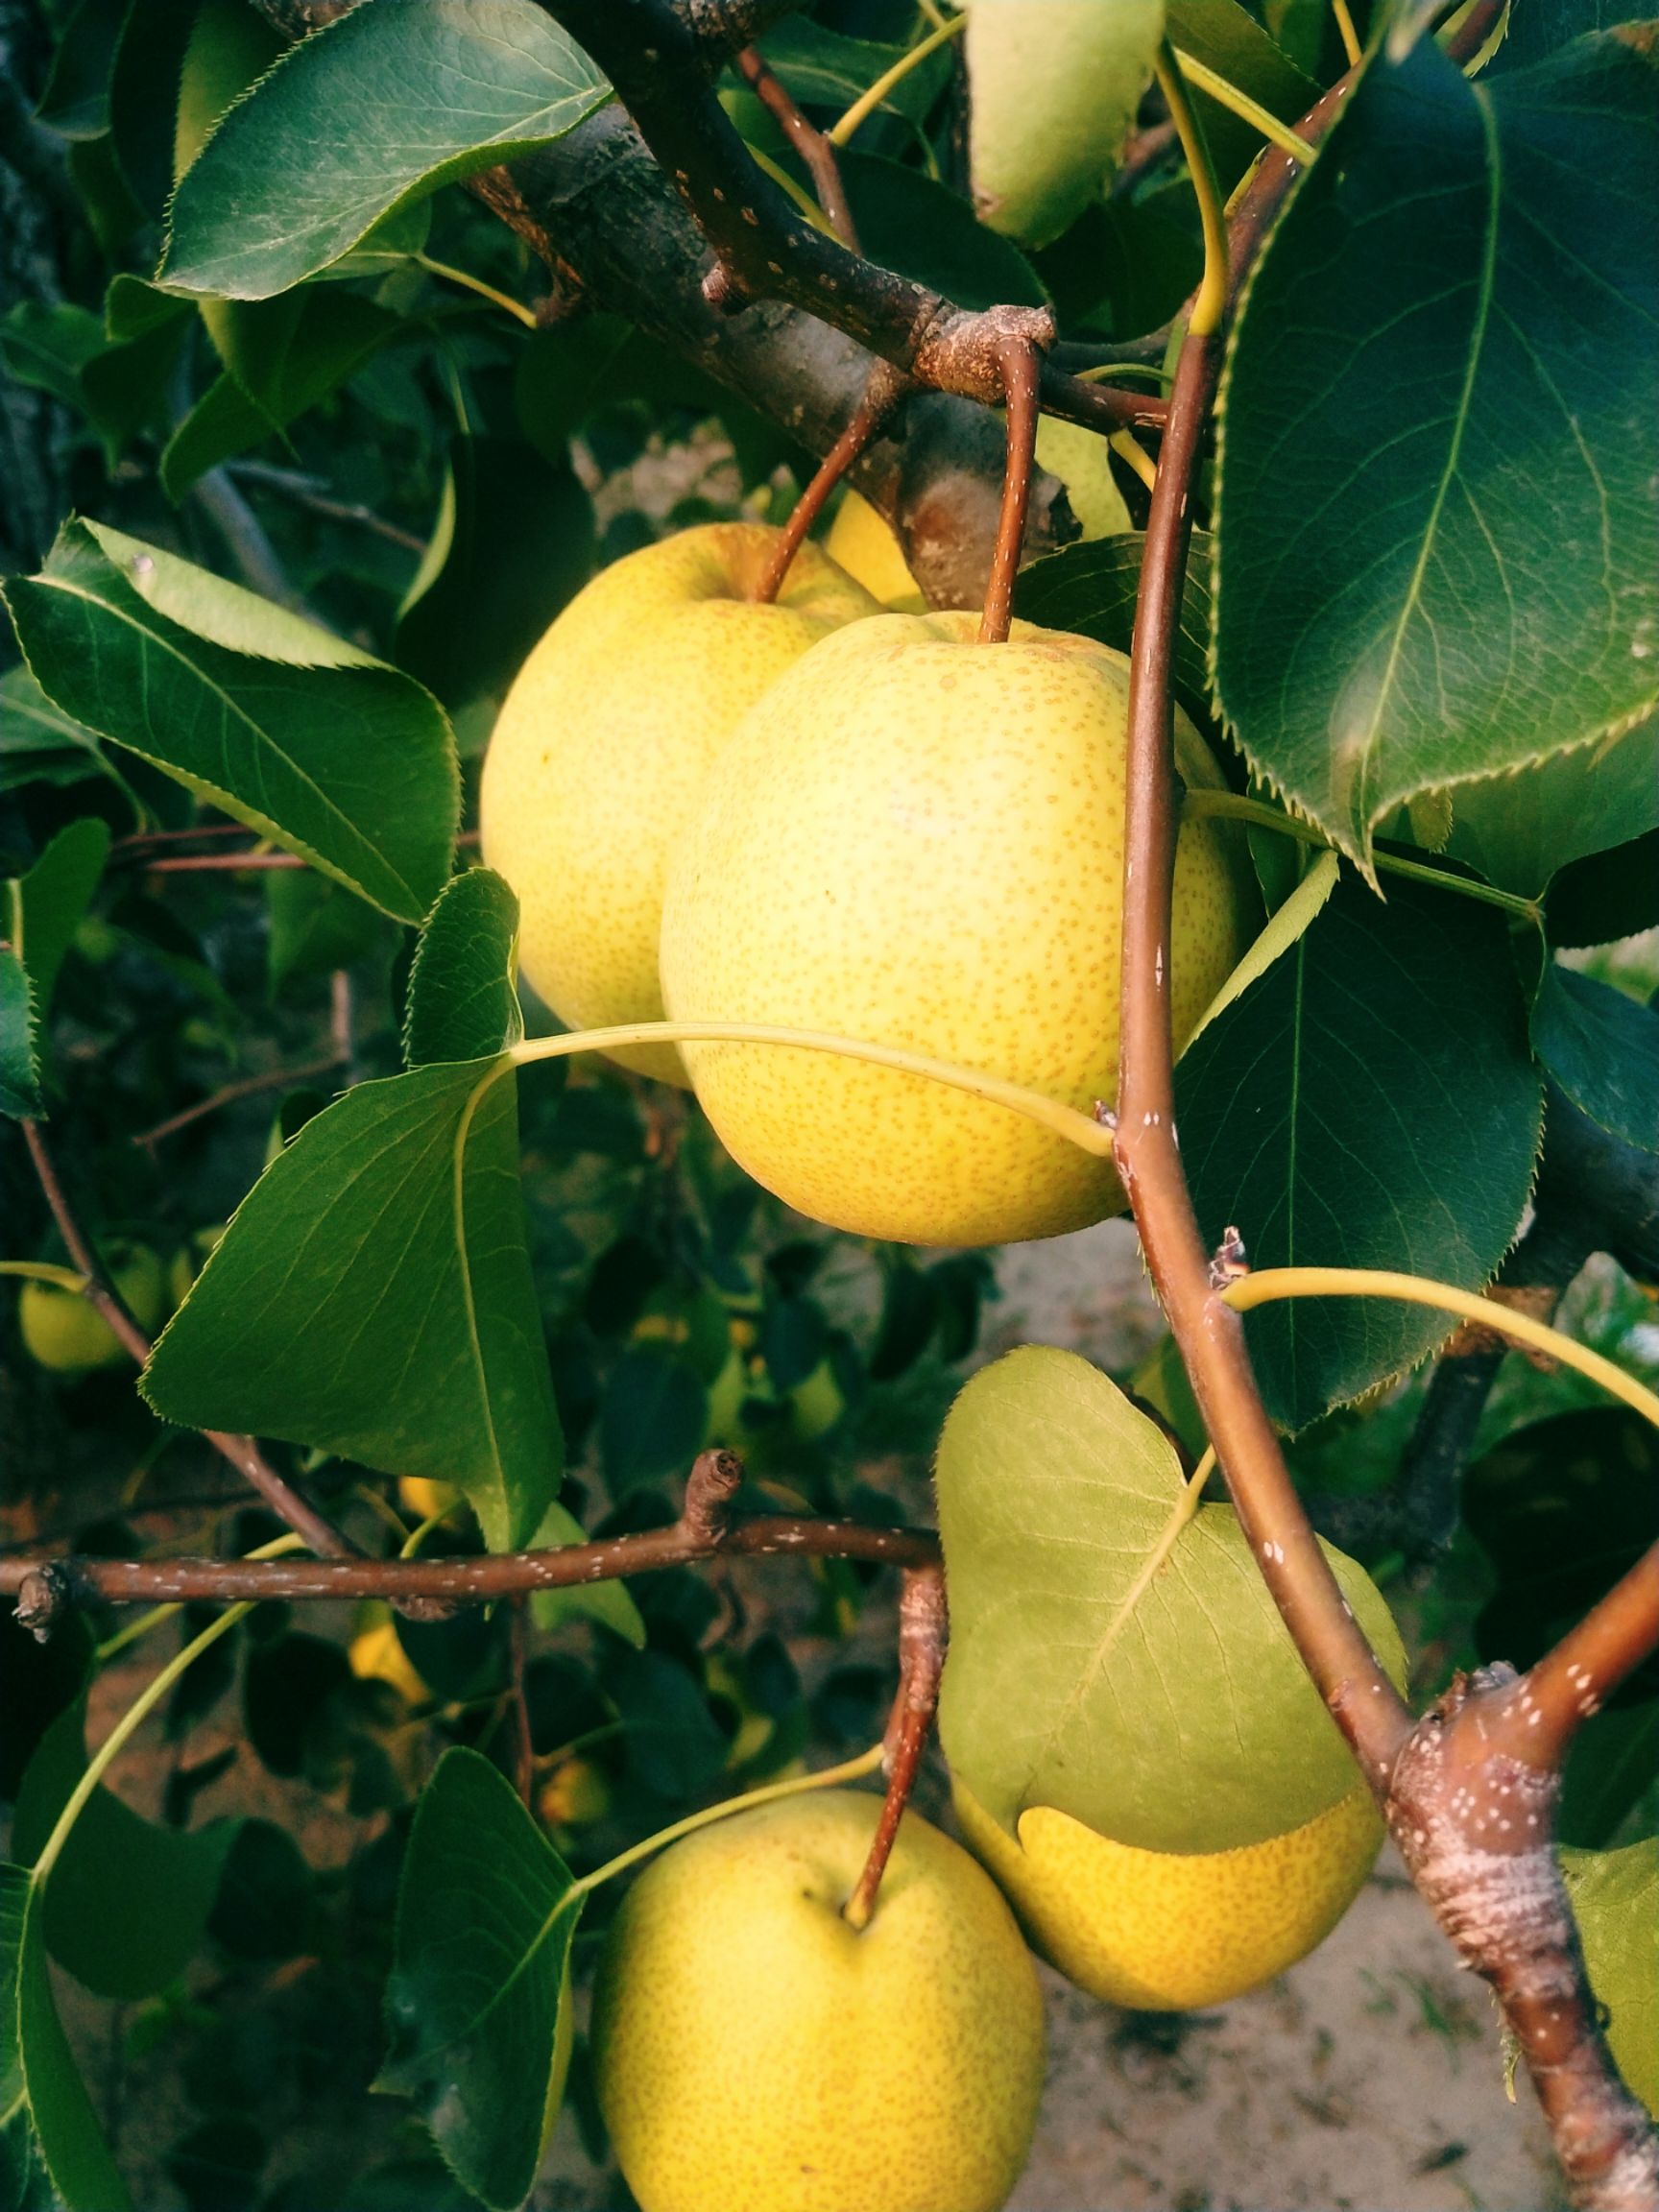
523 1742
221 863
815 148
242 1452
921 1662
249 1086
1021 366
308 492
881 394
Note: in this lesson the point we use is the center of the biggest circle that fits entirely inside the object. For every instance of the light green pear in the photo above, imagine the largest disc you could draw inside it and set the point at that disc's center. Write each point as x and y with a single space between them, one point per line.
753 2053
601 751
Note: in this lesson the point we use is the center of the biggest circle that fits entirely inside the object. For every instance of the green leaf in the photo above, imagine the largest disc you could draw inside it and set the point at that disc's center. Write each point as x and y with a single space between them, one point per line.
461 1004
907 222
1612 1766
1113 1654
1563 1507
825 68
1226 36
38 2072
303 736
47 347
1400 595
1370 1101
38 741
513 544
75 101
1055 85
1610 894
1602 1049
19 1063
50 901
361 116
282 358
1520 828
1091 589
607 1602
372 1296
652 1425
315 926
127 1902
1616 1903
477 2004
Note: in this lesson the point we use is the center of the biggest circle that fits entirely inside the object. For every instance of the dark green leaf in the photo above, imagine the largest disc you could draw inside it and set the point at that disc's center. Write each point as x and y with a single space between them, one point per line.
1091 589
1613 1765
461 1004
1369 1101
907 222
514 543
127 1901
216 2167
477 2004
48 346
359 117
76 98
1519 829
373 1296
20 1060
316 926
1602 1049
675 1748
1226 36
1612 894
653 1421
910 1309
1563 1506
263 1909
288 1686
301 736
40 743
282 358
36 2065
41 1680
49 903
1400 588
824 68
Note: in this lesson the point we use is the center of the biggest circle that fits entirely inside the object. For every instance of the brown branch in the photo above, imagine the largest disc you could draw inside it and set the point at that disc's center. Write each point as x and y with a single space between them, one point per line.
1020 365
470 1581
921 1626
242 1452
249 1086
1208 1334
881 394
815 148
221 863
1474 1823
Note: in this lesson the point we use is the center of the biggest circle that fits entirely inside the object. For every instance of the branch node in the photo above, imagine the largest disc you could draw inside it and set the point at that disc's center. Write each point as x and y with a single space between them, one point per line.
723 290
710 1489
44 1596
1227 1261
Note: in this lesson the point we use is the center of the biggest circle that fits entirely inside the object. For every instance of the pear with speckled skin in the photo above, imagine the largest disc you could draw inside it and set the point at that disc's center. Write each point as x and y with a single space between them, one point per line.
752 2052
917 840
599 756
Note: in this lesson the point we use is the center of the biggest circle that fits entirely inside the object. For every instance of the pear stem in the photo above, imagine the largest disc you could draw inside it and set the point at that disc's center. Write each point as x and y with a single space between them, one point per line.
849 1770
883 391
1021 368
1080 1129
922 1618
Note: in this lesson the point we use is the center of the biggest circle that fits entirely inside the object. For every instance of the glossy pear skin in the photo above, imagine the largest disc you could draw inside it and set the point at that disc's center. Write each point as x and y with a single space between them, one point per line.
753 2053
1174 1931
599 756
63 1331
918 840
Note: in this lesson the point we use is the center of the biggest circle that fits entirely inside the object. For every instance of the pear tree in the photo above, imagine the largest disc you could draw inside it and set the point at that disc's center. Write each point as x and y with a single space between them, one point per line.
672 667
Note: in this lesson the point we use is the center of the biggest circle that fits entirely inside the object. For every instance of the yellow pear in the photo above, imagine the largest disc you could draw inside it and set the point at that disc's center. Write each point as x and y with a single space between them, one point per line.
917 840
599 756
376 1654
1174 1931
868 547
69 1335
752 2052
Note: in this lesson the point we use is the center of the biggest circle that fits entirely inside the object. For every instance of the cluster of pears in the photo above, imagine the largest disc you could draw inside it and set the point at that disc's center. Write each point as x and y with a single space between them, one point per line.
821 815
1140 1764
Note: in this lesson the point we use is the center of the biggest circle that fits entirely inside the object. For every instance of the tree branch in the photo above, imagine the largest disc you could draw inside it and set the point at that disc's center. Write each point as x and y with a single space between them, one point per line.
242 1452
815 148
